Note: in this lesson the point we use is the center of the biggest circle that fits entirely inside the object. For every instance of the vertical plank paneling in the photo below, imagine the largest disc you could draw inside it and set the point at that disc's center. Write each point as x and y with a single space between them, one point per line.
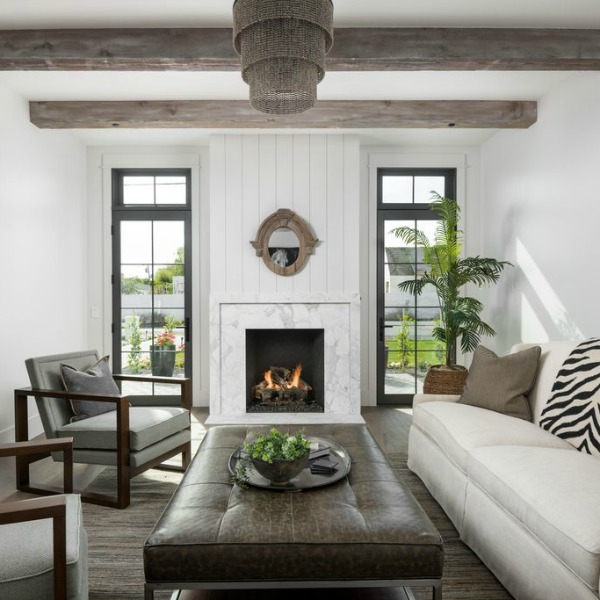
268 200
335 213
315 175
218 219
351 184
233 207
318 211
301 200
250 212
285 197
285 171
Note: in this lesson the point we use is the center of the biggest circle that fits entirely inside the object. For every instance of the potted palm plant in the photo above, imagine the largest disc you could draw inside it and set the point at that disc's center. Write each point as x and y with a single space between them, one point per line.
448 273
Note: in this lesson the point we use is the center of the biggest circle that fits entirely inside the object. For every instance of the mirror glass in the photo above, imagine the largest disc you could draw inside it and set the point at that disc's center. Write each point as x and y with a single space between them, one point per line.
284 247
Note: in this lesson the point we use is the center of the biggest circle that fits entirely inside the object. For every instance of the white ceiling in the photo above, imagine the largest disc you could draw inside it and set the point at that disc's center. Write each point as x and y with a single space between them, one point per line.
22 14
423 85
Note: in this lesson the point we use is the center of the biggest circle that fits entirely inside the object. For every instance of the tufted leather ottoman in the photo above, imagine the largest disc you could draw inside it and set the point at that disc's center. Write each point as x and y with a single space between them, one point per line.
366 530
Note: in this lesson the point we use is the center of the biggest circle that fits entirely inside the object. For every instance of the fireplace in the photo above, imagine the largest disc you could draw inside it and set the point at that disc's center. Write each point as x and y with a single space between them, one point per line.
334 317
285 370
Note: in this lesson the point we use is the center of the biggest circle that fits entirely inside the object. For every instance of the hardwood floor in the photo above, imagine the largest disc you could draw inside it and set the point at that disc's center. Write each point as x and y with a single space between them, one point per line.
389 426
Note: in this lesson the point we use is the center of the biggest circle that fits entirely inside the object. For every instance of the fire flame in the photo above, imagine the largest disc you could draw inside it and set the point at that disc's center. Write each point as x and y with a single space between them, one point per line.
269 380
294 382
296 377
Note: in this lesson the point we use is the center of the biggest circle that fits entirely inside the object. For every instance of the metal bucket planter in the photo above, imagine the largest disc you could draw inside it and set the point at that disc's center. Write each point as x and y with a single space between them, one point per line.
163 360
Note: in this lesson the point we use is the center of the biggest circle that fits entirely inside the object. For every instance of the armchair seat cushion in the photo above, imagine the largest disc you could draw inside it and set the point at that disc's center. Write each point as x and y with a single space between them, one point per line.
30 571
148 425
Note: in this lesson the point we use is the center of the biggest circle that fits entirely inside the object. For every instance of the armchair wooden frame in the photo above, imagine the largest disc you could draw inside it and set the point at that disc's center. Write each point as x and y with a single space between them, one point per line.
125 472
54 508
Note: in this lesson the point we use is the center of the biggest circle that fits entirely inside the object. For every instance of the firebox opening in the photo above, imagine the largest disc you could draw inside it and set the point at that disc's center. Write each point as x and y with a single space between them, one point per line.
285 370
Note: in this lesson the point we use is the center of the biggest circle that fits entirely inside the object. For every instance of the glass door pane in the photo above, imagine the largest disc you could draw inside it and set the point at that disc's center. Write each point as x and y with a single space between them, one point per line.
151 300
406 347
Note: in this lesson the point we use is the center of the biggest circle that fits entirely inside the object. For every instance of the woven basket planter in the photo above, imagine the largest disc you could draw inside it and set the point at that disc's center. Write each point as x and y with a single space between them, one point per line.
440 380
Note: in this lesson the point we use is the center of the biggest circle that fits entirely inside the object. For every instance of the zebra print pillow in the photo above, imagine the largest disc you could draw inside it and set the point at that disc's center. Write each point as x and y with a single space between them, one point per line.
573 411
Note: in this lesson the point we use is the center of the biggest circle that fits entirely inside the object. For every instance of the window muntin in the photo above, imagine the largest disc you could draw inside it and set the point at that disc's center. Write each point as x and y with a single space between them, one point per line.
410 189
144 188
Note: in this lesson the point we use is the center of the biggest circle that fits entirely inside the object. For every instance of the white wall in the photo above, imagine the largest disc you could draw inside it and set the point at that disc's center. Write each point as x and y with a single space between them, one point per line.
42 245
252 176
542 212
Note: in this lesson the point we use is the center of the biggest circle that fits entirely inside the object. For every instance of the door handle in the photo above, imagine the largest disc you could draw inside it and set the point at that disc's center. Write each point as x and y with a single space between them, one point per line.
382 328
187 329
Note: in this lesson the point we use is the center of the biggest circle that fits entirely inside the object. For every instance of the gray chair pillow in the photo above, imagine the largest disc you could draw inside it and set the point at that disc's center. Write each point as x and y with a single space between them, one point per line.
501 383
97 379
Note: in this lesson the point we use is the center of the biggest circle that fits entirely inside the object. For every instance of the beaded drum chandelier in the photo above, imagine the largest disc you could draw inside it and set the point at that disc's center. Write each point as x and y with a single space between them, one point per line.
282 45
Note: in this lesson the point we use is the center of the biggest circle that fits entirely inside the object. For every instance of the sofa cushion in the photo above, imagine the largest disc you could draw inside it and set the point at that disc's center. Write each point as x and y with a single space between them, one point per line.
554 493
148 425
96 379
501 383
459 428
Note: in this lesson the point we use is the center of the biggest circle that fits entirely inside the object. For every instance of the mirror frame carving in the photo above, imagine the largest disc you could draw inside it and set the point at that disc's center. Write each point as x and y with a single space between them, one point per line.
285 217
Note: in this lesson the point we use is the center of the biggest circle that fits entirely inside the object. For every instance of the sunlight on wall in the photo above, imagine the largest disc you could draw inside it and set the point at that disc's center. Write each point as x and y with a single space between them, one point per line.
532 329
555 311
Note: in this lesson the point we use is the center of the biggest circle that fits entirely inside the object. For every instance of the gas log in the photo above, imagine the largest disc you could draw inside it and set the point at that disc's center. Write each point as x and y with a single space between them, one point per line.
281 385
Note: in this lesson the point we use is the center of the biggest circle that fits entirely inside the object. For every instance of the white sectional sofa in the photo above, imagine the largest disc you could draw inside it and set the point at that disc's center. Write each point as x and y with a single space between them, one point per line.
526 501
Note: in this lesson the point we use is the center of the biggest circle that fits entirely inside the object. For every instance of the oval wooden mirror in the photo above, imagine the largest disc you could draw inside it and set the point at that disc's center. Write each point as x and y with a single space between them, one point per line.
285 241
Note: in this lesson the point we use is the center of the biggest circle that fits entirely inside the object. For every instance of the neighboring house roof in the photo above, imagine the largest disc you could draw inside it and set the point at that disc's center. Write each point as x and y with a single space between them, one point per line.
401 261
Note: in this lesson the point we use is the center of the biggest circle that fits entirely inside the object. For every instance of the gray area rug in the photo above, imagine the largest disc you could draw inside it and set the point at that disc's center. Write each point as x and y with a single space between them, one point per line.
116 539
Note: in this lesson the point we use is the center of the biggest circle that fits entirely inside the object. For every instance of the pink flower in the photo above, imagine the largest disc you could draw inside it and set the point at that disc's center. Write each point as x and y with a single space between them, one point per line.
166 339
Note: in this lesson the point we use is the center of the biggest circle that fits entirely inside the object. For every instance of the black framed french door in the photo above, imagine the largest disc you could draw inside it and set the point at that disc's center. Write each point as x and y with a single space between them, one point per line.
405 347
151 296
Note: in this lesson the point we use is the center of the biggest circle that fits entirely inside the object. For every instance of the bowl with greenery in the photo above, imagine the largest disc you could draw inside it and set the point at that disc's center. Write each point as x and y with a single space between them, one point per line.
277 456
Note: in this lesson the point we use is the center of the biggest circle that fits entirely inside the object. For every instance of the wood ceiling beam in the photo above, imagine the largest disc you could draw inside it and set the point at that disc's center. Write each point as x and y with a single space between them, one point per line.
224 114
354 49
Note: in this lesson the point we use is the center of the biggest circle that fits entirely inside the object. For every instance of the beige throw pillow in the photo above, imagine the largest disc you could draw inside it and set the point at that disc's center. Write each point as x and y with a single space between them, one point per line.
501 383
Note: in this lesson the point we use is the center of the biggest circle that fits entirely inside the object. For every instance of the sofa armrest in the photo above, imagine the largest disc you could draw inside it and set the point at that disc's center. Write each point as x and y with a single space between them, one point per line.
422 398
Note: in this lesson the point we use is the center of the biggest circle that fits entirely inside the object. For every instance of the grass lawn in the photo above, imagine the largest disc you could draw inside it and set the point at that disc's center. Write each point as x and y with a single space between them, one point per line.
429 352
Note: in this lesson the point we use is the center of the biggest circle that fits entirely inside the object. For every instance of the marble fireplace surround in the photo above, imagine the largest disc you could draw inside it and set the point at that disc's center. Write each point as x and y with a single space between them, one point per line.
337 314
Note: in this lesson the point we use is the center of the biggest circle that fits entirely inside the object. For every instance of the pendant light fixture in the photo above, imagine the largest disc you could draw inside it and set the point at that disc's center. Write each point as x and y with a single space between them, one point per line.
282 45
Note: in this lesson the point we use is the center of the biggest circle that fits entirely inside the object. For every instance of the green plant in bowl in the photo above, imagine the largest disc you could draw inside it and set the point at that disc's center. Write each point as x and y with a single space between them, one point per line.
277 456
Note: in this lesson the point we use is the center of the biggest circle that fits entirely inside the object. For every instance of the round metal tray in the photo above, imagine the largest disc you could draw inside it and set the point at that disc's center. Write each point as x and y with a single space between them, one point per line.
306 480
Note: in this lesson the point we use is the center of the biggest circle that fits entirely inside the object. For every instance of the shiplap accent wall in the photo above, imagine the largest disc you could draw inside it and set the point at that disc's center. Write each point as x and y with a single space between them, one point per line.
252 176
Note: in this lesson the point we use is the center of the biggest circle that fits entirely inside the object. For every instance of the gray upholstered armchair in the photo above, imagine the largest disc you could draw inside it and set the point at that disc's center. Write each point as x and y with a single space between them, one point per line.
132 438
42 541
